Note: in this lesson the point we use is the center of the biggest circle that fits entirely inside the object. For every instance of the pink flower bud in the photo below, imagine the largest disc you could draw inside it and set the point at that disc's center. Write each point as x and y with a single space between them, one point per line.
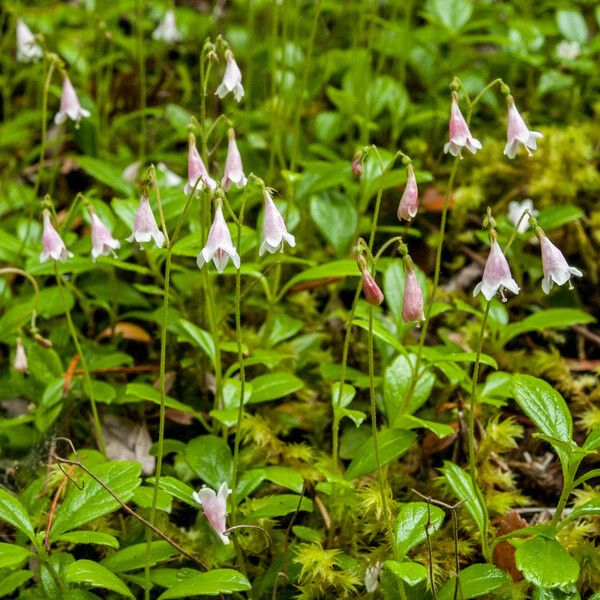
274 230
234 170
20 361
496 275
215 508
219 246
372 292
357 167
556 268
409 203
103 242
52 244
412 307
232 80
517 132
460 136
197 170
144 225
69 105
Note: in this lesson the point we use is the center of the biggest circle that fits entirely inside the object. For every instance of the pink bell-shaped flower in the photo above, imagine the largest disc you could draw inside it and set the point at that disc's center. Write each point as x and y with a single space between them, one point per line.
52 244
496 275
144 225
517 132
215 508
20 364
28 50
69 104
103 242
409 203
197 169
219 246
460 136
232 79
274 230
373 293
556 269
234 169
412 306
167 29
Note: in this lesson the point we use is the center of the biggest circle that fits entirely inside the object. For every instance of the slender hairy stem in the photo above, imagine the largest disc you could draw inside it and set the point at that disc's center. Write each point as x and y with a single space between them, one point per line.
373 409
86 373
471 434
434 287
141 9
564 496
240 352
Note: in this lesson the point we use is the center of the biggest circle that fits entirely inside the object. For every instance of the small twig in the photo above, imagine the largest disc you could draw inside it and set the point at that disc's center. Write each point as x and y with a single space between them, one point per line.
156 530
53 507
430 551
262 529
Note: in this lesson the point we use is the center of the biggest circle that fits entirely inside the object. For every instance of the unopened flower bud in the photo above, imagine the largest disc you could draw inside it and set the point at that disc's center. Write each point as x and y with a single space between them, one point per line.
42 341
20 361
373 294
357 168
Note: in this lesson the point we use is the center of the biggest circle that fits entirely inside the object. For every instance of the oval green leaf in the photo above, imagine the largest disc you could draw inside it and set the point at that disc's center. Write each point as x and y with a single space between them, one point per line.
212 583
95 575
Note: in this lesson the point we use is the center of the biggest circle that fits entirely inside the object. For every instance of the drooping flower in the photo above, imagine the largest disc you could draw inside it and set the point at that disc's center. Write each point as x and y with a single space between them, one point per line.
219 246
52 244
568 50
69 104
196 169
215 508
373 293
274 230
167 29
144 225
20 361
131 172
516 210
28 50
409 203
517 132
460 136
556 269
171 179
372 576
232 80
496 275
103 242
357 167
234 169
412 306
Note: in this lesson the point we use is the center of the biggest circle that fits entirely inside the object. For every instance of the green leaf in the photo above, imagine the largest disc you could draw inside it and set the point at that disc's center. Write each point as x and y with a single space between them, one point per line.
347 395
554 318
285 477
210 458
589 509
177 489
89 537
476 580
145 392
410 572
544 406
134 557
593 440
462 486
412 422
557 215
10 582
337 269
335 217
392 444
13 512
380 332
198 337
396 383
412 520
454 14
11 555
81 506
280 505
572 25
106 173
546 563
211 583
94 574
273 386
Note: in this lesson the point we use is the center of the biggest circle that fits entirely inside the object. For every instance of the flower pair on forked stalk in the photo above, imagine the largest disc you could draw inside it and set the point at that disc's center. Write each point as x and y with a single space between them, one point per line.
412 304
497 276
